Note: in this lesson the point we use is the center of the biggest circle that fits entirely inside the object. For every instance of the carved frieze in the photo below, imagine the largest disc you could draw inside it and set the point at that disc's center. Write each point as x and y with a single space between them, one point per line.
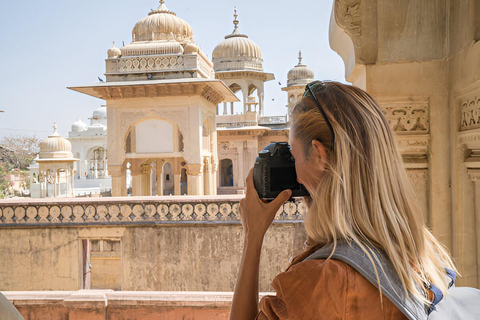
150 64
470 112
406 116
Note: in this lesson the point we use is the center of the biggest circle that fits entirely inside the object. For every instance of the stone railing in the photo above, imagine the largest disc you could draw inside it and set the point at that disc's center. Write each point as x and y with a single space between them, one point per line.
273 120
131 211
120 305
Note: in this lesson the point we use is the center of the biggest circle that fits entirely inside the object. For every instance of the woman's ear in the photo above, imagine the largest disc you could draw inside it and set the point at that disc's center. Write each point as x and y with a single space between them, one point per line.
319 153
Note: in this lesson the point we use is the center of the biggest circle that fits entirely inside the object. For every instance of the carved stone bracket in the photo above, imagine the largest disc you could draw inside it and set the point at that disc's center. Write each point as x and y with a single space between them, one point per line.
212 95
348 14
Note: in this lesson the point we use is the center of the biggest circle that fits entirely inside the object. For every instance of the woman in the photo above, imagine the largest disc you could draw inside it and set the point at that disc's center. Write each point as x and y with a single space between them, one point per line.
346 156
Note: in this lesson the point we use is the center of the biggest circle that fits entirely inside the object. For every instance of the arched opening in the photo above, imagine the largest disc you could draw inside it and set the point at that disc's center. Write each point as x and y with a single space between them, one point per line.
97 163
128 179
183 182
236 107
226 173
168 182
153 178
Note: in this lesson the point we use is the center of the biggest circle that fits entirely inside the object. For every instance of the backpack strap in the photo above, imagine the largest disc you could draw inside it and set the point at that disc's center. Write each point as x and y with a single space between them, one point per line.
390 283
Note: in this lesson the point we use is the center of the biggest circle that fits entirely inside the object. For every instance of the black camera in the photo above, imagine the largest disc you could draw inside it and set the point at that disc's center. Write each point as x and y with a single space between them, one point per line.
274 171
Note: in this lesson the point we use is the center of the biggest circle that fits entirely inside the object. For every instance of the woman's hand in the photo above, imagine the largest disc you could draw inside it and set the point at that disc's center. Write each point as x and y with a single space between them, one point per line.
256 214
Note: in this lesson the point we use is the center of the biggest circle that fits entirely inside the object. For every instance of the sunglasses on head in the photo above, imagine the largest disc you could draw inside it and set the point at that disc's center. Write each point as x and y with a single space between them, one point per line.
309 89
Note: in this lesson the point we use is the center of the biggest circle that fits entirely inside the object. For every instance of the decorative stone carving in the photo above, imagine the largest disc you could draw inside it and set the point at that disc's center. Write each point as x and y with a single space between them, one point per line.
406 116
348 14
105 212
470 112
212 95
150 64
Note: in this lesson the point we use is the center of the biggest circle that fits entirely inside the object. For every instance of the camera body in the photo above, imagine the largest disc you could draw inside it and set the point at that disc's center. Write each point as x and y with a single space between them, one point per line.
274 171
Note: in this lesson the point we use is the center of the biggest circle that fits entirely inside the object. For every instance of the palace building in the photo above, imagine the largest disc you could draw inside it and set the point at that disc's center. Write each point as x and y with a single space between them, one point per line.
169 110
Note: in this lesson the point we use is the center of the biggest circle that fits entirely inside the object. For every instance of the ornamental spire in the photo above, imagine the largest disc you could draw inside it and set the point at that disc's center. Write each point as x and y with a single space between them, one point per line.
235 21
299 57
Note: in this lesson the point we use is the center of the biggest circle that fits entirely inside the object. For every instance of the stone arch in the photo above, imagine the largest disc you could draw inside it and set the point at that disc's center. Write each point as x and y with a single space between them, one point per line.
128 133
175 118
251 89
168 181
226 173
96 158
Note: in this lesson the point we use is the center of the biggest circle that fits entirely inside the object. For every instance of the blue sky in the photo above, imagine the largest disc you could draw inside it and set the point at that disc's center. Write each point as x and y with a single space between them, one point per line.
49 45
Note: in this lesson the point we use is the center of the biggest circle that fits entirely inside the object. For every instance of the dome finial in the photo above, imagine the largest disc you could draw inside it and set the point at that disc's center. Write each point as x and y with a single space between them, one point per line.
235 21
54 127
299 57
162 1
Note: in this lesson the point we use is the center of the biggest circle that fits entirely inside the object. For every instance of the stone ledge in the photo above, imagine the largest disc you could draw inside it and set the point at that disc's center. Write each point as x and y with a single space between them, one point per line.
133 211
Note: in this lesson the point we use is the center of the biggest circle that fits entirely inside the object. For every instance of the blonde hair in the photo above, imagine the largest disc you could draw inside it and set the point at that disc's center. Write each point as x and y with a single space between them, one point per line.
364 195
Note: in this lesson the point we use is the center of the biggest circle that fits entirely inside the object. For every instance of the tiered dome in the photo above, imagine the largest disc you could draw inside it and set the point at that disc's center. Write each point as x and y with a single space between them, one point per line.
55 147
237 48
162 24
161 32
300 74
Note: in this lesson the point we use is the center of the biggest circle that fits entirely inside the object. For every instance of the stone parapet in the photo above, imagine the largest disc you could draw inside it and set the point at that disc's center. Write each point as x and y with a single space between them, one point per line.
119 305
132 211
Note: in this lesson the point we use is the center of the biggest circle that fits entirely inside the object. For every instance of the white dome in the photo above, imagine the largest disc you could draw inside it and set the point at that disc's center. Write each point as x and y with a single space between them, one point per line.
79 125
114 52
237 52
55 146
99 116
162 24
300 74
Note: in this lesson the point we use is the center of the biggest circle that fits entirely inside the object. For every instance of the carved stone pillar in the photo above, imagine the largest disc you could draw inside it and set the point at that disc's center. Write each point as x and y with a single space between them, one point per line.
176 184
473 169
206 177
194 179
159 181
117 172
136 180
145 178
474 175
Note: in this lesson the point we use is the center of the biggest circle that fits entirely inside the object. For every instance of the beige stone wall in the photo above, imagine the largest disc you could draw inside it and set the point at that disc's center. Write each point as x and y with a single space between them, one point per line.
428 51
159 258
141 244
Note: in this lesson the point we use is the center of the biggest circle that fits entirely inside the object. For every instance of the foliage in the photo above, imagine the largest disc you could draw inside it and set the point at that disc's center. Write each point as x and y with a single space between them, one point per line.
18 151
4 184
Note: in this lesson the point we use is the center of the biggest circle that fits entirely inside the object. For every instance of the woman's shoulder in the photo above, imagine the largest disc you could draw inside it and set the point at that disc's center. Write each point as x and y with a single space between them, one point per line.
329 286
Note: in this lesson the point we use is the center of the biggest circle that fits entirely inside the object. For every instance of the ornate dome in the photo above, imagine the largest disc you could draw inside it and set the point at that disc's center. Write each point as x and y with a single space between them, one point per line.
300 74
55 147
162 24
114 52
79 125
237 47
